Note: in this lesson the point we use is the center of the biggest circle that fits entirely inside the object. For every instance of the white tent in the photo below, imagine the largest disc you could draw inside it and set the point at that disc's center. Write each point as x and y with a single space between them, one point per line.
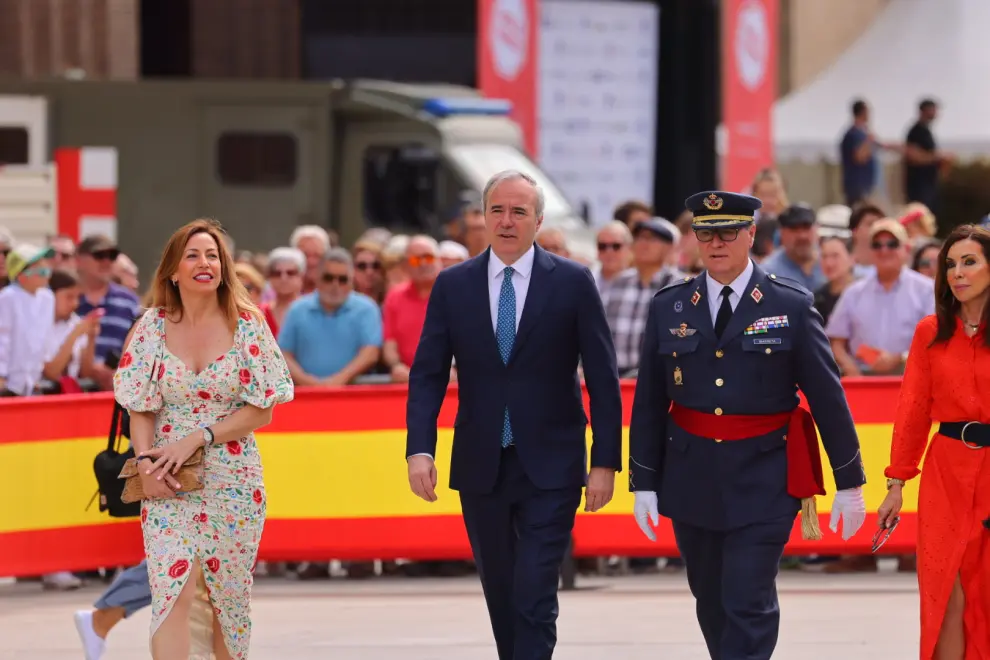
913 50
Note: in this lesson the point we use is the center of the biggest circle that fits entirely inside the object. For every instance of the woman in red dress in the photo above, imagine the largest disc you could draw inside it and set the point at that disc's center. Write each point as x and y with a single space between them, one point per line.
947 380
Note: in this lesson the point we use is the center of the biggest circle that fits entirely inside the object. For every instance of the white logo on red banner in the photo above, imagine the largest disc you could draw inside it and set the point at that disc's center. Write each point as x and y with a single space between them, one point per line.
508 37
752 44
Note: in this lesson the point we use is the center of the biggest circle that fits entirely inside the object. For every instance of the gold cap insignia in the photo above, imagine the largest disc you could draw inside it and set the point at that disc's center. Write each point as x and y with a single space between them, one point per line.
713 202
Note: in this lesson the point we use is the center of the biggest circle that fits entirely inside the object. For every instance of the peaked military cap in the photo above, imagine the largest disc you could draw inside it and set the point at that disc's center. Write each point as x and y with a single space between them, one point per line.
714 209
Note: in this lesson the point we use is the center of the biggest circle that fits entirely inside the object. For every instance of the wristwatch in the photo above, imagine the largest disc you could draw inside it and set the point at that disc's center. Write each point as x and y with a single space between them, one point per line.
207 436
892 482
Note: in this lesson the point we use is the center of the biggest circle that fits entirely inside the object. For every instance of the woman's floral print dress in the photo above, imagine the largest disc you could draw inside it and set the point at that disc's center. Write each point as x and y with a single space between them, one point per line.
221 524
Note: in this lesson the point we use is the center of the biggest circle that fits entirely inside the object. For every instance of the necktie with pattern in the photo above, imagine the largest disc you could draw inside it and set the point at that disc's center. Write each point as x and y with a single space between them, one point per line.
505 334
724 312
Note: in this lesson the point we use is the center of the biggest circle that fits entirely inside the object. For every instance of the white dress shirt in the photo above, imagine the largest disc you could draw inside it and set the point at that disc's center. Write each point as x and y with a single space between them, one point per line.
520 282
738 290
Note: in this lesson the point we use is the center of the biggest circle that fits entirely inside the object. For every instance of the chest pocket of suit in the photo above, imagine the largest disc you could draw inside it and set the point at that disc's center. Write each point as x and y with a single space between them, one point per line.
770 357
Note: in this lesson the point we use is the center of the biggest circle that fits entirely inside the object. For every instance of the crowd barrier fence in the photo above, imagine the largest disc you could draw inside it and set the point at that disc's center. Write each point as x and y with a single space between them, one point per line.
335 478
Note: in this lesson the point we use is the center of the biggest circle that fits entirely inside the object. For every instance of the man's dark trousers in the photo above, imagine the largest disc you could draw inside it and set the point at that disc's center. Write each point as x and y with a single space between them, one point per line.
518 520
732 577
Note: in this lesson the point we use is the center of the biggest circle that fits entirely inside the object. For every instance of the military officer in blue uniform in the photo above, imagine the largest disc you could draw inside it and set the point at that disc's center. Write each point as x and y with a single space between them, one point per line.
718 443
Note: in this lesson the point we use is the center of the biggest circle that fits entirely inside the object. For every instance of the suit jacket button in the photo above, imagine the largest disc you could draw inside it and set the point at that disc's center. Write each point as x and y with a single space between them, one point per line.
718 411
719 353
719 382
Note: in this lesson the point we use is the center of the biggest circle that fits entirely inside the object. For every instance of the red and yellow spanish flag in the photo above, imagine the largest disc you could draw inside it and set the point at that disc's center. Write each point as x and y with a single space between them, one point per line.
335 476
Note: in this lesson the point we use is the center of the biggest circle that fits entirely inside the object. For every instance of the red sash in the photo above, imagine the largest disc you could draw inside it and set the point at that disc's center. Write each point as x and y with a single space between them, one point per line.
804 462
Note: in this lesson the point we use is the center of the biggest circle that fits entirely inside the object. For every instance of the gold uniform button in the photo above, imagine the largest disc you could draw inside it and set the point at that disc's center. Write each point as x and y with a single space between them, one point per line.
718 439
772 276
719 353
769 351
719 382
718 411
675 353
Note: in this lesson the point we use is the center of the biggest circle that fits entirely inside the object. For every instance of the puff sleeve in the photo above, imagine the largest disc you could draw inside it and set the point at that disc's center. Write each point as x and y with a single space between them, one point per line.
135 383
264 375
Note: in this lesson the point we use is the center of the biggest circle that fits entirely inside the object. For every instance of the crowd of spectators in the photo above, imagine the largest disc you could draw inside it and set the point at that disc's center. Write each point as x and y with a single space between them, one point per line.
350 316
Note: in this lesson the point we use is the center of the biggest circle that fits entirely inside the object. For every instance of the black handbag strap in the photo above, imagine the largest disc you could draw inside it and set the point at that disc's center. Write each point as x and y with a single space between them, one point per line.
113 440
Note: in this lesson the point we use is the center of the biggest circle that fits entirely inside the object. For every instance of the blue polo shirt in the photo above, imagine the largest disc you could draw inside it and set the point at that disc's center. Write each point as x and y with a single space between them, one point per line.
324 342
121 308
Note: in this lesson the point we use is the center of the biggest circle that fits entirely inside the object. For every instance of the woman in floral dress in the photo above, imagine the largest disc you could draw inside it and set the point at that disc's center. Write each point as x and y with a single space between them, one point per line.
201 370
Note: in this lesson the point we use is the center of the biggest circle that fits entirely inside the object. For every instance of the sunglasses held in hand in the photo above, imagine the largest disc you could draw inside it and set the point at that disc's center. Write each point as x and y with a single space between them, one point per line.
880 538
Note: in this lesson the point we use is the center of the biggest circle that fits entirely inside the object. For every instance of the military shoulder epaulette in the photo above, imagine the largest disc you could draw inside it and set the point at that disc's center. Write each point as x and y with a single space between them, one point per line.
673 285
788 282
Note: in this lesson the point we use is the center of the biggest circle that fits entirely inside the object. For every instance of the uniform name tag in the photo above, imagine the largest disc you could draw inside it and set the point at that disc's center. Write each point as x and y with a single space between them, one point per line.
766 340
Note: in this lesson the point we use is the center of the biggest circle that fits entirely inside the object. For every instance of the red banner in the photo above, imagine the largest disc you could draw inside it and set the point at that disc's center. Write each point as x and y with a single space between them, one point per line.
507 59
749 88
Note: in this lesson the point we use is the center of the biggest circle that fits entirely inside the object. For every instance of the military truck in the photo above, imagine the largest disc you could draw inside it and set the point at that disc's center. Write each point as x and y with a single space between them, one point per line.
264 157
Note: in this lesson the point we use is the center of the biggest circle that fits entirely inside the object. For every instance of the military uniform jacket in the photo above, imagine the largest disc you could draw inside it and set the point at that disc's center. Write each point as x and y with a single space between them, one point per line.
773 345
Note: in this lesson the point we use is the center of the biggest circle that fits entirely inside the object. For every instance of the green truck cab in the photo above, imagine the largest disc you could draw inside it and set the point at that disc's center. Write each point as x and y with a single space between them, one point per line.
264 157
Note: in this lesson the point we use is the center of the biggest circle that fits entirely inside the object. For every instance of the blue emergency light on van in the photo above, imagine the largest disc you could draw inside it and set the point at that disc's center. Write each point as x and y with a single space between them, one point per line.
446 107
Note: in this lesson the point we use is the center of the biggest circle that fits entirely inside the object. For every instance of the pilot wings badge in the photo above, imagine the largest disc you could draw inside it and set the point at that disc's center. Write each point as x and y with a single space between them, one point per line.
682 331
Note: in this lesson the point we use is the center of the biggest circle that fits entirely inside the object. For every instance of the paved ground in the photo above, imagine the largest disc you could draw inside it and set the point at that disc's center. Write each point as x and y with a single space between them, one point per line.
855 617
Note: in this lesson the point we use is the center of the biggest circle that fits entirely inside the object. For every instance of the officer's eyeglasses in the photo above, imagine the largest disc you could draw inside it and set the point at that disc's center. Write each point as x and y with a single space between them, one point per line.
884 533
725 234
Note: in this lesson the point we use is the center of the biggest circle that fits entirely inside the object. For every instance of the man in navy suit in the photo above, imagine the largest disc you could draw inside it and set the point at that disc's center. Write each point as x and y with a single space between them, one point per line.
718 443
517 319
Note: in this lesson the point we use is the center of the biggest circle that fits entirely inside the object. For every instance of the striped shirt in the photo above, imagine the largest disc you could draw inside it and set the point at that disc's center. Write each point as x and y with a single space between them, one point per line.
121 309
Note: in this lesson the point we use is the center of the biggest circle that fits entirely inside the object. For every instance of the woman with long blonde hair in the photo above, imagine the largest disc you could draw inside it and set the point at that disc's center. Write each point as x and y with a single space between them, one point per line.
201 370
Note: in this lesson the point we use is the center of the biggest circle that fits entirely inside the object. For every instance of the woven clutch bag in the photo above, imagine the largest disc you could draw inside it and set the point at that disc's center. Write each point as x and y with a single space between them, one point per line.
189 476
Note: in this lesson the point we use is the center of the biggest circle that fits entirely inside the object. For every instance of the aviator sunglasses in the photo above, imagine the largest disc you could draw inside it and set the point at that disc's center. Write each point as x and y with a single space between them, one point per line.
890 245
883 534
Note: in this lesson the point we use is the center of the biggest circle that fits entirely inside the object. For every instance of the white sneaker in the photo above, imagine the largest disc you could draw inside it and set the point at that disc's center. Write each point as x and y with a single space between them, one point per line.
93 646
63 581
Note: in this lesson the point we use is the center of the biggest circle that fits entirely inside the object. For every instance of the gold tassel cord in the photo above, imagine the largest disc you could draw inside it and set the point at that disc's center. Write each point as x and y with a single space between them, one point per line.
810 530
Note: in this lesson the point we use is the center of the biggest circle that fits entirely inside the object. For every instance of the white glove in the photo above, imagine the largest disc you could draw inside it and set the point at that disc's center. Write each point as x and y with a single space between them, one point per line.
645 511
851 508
